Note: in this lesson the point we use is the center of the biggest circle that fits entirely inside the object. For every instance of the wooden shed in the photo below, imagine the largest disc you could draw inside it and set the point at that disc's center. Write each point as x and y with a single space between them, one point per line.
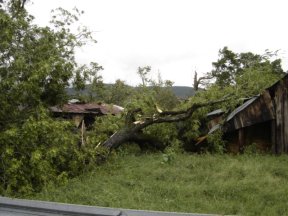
262 120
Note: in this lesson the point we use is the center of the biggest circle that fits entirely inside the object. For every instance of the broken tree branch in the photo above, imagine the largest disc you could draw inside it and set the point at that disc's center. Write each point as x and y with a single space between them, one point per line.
130 131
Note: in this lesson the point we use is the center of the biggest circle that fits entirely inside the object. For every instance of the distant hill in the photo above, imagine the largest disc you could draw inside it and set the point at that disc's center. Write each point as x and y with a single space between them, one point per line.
179 91
183 91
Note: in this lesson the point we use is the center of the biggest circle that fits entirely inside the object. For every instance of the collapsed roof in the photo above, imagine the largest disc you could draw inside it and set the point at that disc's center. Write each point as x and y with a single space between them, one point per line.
88 108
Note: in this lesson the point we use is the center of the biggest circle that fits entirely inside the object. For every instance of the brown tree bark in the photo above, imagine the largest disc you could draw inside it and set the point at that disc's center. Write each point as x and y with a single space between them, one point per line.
132 131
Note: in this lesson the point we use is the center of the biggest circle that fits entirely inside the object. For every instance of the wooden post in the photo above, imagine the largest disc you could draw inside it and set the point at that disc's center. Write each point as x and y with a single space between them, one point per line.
82 133
279 118
241 139
274 146
285 118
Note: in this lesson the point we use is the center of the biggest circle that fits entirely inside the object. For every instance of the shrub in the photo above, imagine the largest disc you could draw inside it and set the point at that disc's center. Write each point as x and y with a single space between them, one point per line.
39 152
215 142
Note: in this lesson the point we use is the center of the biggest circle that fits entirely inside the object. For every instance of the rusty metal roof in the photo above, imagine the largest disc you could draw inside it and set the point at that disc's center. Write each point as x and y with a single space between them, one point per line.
88 108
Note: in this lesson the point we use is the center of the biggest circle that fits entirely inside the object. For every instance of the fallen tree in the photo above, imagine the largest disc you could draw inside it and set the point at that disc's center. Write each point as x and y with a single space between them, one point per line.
132 130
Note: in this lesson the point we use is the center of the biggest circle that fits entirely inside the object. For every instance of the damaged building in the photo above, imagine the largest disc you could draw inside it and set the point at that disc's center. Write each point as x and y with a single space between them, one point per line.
261 120
84 114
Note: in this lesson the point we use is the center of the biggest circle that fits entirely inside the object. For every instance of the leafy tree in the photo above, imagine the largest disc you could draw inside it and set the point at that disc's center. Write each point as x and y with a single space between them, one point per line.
119 93
143 72
153 96
88 78
231 65
255 79
36 63
226 68
162 93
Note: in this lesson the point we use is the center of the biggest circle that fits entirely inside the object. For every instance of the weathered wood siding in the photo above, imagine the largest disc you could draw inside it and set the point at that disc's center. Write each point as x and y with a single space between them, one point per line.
280 93
261 110
267 113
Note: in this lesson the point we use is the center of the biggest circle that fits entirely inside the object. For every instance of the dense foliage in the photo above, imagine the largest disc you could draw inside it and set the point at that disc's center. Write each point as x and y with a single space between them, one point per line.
37 64
231 66
39 152
237 76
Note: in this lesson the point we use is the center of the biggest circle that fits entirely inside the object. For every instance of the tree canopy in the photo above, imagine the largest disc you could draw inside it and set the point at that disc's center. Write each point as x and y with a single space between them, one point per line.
36 63
230 66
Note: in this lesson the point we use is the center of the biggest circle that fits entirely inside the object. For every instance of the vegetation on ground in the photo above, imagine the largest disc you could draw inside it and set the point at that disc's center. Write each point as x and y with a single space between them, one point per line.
222 184
37 65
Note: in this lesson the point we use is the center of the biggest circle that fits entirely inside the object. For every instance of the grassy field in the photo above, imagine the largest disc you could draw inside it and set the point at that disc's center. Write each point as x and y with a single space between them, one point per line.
223 184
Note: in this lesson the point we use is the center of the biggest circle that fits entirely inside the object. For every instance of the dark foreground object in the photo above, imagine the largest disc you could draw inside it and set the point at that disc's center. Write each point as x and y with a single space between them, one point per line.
17 207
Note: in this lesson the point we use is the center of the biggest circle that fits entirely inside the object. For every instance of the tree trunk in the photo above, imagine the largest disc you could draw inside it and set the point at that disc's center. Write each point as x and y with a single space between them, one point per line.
199 81
121 136
132 131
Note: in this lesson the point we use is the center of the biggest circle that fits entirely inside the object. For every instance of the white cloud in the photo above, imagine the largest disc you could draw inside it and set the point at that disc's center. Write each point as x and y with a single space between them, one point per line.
173 36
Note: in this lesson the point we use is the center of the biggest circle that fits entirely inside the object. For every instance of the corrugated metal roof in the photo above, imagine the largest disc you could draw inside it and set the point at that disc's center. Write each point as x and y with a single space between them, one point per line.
240 108
214 128
88 108
215 112
73 101
251 118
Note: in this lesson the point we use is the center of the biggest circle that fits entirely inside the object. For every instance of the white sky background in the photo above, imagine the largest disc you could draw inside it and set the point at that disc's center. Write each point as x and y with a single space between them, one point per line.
175 37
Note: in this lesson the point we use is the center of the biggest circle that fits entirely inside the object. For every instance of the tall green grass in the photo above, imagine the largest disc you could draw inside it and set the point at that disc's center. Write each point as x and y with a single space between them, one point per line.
222 184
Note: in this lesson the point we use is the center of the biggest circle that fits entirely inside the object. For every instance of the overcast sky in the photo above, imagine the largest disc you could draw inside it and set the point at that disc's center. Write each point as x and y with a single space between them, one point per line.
175 37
